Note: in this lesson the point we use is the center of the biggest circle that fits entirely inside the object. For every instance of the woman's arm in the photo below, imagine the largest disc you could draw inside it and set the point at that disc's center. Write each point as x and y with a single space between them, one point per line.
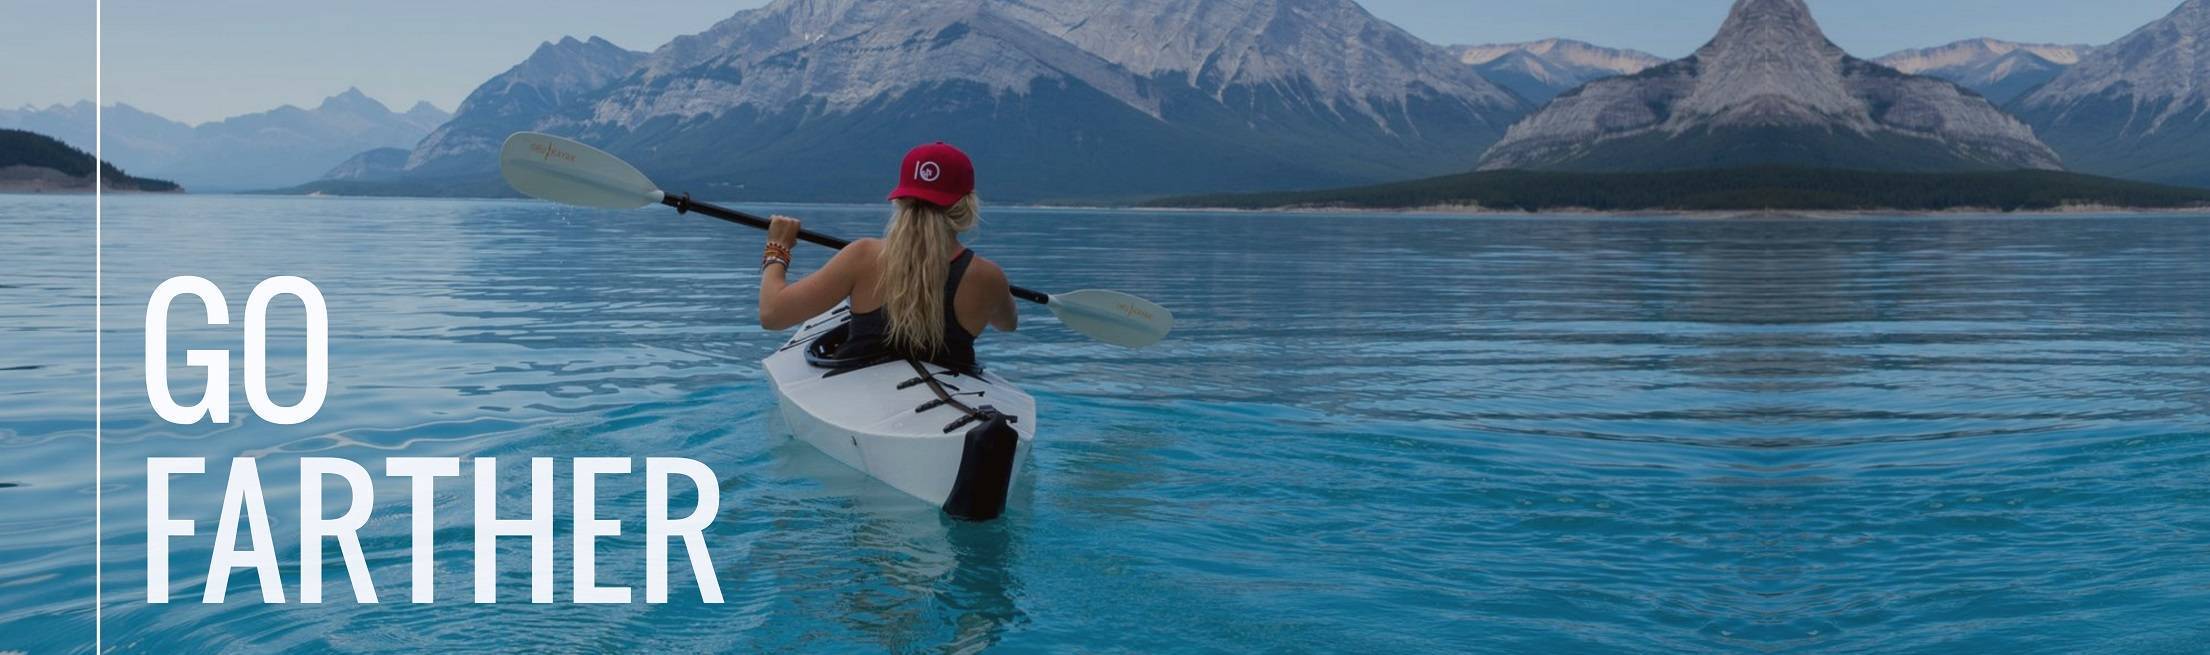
784 304
1007 316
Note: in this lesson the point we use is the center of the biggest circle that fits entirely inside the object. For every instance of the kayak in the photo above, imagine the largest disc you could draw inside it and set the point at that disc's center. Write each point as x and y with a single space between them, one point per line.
954 439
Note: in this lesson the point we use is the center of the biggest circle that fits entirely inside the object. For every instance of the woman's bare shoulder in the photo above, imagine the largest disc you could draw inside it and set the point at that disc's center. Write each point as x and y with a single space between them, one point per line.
987 272
862 249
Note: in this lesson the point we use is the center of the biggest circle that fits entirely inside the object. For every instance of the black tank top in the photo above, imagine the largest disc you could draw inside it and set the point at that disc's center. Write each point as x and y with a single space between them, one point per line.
870 330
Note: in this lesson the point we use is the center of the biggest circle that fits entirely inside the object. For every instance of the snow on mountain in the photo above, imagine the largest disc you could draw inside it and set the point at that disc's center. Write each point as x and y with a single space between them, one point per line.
809 99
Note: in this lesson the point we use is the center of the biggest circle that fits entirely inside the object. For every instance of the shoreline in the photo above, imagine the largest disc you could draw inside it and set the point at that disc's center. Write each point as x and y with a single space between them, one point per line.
1440 211
39 180
1474 211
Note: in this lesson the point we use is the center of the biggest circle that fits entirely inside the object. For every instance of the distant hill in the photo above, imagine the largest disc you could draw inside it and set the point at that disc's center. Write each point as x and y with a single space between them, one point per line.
1999 70
1540 70
276 148
35 162
1774 188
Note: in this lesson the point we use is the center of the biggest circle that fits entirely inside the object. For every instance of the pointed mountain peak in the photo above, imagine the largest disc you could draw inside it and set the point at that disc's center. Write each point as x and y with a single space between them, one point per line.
566 43
352 100
1774 47
424 107
571 43
571 47
1753 18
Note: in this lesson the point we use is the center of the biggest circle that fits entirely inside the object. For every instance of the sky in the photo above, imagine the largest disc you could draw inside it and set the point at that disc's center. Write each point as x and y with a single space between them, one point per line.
201 60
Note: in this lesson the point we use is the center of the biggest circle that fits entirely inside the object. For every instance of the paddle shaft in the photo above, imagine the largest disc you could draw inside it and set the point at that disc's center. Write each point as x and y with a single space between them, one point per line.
683 204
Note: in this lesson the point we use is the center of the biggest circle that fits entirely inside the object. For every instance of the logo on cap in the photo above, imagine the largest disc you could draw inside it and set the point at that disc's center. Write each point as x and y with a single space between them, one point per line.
926 171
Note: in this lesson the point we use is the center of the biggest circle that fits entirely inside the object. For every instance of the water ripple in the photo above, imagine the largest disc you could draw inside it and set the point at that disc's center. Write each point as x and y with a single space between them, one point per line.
1402 433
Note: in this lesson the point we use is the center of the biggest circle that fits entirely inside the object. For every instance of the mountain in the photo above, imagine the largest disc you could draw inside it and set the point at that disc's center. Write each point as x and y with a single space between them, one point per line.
289 145
554 77
2138 108
145 141
425 116
1999 70
1540 70
374 165
1770 89
32 162
1056 99
277 148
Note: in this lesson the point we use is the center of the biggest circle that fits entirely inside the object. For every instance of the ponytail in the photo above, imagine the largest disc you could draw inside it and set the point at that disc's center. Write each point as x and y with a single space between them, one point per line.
917 251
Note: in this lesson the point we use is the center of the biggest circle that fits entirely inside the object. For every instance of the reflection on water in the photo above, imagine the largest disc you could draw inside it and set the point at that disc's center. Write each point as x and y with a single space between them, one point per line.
1389 433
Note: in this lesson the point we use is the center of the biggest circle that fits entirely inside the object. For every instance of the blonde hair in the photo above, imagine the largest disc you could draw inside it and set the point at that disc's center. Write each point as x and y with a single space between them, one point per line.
916 256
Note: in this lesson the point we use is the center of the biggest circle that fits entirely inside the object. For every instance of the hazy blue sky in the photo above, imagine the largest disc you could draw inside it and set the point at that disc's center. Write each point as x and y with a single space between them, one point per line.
197 60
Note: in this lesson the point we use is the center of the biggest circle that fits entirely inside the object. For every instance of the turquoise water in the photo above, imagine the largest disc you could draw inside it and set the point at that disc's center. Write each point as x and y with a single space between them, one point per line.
1372 433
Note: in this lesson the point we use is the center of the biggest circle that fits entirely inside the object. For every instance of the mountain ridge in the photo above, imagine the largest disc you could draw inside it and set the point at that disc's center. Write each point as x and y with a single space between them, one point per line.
1540 70
1999 70
279 147
1059 99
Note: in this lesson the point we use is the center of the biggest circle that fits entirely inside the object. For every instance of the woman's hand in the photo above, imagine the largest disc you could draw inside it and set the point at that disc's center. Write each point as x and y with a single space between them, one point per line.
783 231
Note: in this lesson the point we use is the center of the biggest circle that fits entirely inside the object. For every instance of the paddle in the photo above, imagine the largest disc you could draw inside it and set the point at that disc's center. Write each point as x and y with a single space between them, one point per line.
564 171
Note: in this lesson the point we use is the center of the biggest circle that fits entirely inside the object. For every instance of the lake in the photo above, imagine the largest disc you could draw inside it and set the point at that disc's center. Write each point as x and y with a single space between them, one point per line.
1378 433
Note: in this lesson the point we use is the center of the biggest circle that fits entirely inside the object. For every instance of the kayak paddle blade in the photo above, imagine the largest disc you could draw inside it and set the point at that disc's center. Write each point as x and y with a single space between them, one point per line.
561 170
1113 317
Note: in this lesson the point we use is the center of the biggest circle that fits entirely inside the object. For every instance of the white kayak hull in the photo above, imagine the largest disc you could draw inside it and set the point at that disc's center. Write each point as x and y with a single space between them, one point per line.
885 422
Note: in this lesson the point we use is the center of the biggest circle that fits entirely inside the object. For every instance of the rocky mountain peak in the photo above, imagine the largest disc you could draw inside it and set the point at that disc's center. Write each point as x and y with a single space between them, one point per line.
1770 58
1773 23
1770 88
553 57
556 74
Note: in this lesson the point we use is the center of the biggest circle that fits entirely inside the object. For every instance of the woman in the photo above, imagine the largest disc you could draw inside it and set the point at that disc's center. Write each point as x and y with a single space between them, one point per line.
915 292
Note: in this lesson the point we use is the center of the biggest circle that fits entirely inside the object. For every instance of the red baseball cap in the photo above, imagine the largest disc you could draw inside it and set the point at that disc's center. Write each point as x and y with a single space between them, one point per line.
937 174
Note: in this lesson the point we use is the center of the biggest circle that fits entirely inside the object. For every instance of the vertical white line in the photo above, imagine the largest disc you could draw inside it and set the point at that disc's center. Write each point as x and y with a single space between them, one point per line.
99 325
